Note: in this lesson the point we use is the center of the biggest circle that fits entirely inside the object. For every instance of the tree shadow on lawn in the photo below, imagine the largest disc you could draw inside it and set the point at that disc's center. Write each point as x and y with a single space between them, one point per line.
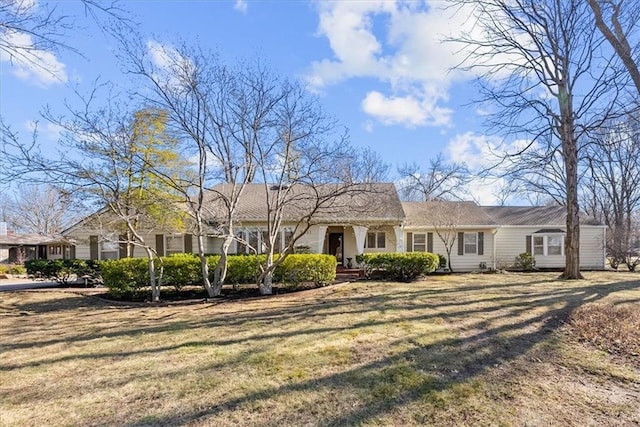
485 339
327 306
417 373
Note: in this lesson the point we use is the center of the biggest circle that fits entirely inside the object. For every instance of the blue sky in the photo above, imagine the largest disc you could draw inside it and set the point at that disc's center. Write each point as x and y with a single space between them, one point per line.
379 67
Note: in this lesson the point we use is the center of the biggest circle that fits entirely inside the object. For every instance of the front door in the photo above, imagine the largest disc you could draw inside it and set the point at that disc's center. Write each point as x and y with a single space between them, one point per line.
336 246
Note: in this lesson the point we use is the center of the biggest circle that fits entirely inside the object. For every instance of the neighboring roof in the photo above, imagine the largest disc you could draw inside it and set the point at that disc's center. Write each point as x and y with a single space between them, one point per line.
533 215
426 214
365 202
422 214
31 240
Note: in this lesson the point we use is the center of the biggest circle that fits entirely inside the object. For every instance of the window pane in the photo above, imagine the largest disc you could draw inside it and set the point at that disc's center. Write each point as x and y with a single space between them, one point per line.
253 240
371 240
109 255
241 247
381 240
554 245
288 236
470 243
174 244
109 246
419 242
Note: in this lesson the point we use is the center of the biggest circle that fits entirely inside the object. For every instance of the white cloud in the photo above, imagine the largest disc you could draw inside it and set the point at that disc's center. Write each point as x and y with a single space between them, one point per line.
161 55
50 131
241 6
32 65
481 153
399 43
407 110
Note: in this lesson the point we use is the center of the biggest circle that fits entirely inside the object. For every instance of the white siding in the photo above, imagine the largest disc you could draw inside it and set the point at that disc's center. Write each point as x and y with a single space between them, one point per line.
511 241
83 250
466 262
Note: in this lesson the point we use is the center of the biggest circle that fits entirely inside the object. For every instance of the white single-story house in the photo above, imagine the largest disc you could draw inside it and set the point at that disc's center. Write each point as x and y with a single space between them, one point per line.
377 221
492 236
17 248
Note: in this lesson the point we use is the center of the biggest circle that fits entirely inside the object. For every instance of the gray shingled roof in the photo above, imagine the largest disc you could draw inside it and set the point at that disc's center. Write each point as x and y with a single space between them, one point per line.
31 239
368 202
533 215
422 214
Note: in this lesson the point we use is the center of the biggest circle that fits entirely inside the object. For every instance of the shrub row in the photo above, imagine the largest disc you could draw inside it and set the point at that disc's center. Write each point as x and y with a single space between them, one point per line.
61 270
130 276
12 269
403 267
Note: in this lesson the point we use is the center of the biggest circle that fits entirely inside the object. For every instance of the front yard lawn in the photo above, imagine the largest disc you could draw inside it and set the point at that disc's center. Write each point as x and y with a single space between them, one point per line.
491 349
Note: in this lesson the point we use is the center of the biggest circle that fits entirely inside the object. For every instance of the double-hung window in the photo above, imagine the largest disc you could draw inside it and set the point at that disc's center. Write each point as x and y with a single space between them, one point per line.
470 243
174 244
109 247
376 240
419 242
545 245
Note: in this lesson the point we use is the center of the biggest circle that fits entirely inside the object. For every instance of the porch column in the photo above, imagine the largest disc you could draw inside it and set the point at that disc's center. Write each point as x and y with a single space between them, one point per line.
361 235
322 232
397 229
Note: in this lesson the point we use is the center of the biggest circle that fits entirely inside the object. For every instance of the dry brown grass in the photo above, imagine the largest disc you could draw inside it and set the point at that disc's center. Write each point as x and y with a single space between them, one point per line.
615 329
450 350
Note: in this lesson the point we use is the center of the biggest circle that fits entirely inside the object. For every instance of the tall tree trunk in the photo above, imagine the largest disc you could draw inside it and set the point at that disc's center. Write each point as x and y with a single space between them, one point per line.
220 273
266 278
155 288
570 157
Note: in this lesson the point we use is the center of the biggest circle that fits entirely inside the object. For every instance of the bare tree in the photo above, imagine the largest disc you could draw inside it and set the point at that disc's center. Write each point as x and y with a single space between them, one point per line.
308 169
441 180
542 65
612 188
617 20
219 113
29 28
446 219
106 156
41 209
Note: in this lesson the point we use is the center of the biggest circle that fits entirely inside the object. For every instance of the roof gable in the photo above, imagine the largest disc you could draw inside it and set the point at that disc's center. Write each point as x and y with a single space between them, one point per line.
364 202
425 214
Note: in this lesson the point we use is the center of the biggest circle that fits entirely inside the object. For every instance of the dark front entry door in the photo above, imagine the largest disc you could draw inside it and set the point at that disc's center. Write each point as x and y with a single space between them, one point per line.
336 246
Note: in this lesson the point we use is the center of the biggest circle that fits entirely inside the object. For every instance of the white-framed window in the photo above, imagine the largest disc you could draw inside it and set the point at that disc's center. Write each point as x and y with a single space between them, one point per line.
470 243
174 244
419 242
548 244
376 240
250 240
109 247
55 250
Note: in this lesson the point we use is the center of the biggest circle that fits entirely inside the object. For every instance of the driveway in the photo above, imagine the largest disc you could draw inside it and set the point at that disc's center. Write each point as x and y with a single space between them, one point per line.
20 284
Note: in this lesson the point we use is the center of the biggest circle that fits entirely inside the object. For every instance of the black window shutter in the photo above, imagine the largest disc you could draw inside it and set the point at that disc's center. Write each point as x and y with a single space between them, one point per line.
409 242
72 252
188 243
430 242
160 244
122 246
480 243
93 247
460 243
528 244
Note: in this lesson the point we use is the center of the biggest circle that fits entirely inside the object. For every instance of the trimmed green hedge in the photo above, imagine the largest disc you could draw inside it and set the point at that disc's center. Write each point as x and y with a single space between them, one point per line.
299 268
61 270
128 277
403 267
